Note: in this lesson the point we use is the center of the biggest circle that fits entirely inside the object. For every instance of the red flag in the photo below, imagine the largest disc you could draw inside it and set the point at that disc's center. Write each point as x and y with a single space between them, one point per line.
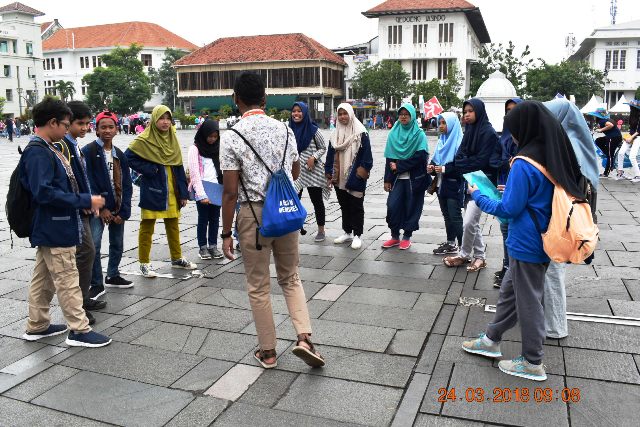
432 108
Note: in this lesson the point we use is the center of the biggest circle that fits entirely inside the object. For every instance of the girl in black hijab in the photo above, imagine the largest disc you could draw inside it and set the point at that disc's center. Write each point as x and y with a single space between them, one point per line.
204 165
528 195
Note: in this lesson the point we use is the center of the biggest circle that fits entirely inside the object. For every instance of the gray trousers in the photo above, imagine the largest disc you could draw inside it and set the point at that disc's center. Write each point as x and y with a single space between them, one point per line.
472 235
85 254
555 301
520 301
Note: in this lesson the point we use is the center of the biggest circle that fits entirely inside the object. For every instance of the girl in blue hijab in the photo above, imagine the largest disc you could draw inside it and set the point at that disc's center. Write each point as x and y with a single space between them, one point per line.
311 148
450 189
405 177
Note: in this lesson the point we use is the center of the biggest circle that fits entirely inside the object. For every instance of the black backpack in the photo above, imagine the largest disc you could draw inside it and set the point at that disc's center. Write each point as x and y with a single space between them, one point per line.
20 207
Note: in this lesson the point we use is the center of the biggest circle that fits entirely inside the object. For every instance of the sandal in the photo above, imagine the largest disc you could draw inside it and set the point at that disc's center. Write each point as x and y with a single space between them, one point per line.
455 261
477 266
262 355
309 355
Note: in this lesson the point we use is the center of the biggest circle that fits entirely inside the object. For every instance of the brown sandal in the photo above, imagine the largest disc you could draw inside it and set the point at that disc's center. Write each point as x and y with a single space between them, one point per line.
309 355
455 261
262 355
477 266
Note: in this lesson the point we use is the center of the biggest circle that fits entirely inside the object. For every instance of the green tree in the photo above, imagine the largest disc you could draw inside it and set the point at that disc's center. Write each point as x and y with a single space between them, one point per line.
446 91
384 80
504 59
65 89
123 81
568 77
225 111
2 101
637 94
166 78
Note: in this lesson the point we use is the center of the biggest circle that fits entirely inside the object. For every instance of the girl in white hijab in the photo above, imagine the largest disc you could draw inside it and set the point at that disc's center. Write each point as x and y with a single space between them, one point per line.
349 161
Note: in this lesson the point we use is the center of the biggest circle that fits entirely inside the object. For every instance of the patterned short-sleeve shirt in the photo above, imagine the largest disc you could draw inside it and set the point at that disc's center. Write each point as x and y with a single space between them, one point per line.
268 137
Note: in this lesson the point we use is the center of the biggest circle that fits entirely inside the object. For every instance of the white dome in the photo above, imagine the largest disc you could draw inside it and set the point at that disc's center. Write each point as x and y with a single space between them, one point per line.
497 86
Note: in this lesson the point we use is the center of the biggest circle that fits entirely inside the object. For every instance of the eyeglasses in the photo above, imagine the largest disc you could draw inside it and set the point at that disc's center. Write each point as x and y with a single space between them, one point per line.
65 124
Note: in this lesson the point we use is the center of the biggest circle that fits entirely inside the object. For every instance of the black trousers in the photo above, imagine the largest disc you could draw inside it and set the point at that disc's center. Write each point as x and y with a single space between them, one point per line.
85 254
452 213
609 147
315 194
352 209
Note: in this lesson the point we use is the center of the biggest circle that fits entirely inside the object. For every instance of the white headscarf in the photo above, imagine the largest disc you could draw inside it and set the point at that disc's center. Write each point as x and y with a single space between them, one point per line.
347 138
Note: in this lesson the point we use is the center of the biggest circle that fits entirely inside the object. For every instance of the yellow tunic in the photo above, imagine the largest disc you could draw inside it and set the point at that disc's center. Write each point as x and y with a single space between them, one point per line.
172 211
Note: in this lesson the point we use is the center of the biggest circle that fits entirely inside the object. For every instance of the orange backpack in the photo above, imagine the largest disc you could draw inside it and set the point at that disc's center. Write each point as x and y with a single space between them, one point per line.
572 235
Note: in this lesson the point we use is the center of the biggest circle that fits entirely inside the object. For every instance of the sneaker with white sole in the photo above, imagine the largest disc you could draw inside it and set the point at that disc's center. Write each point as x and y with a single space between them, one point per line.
147 270
356 243
204 253
215 253
635 179
346 237
520 367
619 176
480 346
183 263
51 331
89 339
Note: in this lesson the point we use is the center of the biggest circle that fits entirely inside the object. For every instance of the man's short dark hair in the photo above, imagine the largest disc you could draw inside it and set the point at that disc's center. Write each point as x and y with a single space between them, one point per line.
79 110
249 87
50 108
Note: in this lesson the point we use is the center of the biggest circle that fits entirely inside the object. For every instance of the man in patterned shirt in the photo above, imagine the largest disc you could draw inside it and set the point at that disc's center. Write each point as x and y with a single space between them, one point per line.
272 141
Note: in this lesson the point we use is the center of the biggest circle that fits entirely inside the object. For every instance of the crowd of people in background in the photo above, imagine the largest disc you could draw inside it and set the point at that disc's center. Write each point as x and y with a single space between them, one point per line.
89 189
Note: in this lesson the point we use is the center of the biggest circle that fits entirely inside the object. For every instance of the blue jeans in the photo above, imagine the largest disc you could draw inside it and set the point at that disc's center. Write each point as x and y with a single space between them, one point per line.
116 239
208 215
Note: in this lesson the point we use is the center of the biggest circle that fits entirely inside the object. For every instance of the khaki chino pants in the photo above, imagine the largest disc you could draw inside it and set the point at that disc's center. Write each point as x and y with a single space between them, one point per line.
55 272
256 267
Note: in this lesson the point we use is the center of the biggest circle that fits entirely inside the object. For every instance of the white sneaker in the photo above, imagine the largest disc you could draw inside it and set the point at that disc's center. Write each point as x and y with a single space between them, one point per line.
147 270
636 179
346 237
356 243
619 176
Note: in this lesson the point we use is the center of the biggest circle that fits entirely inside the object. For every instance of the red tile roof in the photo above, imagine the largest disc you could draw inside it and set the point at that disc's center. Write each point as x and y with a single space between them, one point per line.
264 48
19 7
45 25
121 34
417 5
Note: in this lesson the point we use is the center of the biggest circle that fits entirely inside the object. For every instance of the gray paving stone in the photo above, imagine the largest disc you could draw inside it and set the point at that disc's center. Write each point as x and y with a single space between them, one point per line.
345 278
235 382
603 288
199 294
167 336
341 400
600 365
397 318
514 413
381 297
16 413
411 401
195 340
14 349
204 316
317 307
203 376
439 379
618 272
633 286
601 336
136 363
227 345
268 389
588 305
12 311
135 330
117 302
374 368
625 308
200 412
424 420
28 362
407 343
415 271
430 354
603 403
242 414
40 383
330 292
115 400
339 334
399 283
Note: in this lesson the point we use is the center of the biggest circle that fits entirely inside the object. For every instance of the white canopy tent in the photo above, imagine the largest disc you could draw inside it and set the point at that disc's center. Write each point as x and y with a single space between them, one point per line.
621 106
591 105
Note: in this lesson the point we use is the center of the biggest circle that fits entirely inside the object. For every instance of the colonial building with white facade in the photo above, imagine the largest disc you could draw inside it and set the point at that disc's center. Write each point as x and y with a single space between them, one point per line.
20 58
424 36
614 50
72 53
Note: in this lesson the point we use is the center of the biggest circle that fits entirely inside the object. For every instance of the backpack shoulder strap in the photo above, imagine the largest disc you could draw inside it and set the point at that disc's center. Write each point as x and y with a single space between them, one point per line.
253 149
537 166
286 145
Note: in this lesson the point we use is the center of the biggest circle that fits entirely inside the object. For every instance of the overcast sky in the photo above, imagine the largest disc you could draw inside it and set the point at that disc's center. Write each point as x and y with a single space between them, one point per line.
543 24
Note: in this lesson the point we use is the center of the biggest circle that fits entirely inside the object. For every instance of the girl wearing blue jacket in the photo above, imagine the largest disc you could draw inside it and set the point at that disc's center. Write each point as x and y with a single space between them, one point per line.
527 203
155 154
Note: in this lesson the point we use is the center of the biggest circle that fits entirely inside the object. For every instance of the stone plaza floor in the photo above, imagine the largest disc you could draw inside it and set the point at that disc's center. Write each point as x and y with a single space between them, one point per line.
389 323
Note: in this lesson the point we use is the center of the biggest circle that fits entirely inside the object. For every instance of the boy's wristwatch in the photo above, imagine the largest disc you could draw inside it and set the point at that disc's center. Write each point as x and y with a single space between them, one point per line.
226 235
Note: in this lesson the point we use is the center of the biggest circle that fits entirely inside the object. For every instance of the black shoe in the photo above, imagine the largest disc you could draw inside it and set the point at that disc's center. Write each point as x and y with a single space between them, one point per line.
500 273
446 249
92 319
91 304
89 339
117 282
96 291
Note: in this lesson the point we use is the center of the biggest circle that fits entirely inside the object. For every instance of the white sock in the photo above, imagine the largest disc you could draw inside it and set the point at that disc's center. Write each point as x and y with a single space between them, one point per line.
487 341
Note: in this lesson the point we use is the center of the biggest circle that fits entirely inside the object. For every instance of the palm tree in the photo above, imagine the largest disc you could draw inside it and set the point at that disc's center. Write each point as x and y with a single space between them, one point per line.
65 89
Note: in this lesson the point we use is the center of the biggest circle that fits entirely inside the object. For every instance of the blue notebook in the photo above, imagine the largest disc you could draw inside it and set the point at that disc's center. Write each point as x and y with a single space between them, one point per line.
214 192
485 186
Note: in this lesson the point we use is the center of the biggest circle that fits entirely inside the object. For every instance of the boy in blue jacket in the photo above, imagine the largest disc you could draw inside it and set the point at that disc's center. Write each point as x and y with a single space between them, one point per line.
109 174
56 230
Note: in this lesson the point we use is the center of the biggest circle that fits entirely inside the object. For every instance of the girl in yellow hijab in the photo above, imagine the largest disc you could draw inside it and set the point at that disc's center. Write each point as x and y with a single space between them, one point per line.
155 155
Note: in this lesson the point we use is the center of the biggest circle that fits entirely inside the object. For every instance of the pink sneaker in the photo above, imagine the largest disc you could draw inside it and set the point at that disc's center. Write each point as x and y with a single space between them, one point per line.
390 243
405 244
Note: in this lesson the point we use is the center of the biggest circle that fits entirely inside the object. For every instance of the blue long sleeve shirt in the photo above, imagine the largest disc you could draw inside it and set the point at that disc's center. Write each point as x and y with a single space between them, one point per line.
526 189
